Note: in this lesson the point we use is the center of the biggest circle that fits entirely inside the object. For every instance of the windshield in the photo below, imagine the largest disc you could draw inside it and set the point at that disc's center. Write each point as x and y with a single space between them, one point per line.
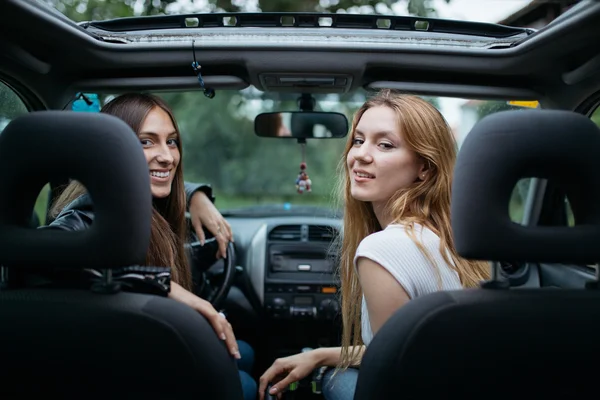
259 174
221 148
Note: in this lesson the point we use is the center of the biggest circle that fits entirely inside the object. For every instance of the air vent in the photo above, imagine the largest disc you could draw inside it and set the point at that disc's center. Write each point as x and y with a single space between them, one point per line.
286 232
321 233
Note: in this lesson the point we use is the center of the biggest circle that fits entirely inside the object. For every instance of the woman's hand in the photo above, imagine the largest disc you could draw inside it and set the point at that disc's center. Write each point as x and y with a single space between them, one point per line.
285 371
204 213
221 326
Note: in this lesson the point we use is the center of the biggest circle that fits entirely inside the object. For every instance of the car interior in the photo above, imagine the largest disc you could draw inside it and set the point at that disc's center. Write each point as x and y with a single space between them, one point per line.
147 334
525 196
487 331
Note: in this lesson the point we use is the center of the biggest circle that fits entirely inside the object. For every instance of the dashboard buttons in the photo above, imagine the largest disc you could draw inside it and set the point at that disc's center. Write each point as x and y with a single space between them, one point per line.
303 312
304 301
277 308
328 309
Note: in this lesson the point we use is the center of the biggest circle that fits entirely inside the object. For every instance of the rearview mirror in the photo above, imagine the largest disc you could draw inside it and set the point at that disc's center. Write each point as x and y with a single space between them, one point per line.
301 124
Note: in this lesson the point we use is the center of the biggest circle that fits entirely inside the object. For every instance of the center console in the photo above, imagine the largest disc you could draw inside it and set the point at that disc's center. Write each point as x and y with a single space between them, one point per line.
300 281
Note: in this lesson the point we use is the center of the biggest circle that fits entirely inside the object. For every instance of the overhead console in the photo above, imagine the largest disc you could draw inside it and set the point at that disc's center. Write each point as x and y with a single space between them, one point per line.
299 82
300 272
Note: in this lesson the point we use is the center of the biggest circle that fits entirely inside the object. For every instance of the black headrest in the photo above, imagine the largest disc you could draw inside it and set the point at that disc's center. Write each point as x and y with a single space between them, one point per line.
560 146
98 150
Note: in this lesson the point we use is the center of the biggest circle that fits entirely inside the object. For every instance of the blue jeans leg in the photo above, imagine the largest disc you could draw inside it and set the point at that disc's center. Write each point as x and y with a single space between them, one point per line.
247 353
245 364
248 386
341 386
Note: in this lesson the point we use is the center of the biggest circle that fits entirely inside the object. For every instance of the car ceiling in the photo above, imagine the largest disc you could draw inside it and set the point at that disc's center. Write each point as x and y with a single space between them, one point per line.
558 64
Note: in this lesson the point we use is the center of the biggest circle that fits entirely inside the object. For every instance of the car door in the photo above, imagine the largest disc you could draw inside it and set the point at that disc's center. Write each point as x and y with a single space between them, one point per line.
556 211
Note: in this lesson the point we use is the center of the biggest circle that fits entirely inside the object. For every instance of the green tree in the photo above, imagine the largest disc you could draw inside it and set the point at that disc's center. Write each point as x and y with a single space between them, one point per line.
422 8
87 10
596 116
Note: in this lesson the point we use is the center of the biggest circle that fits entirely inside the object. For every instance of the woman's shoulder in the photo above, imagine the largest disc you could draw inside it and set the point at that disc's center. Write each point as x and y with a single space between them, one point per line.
412 256
400 247
82 203
400 235
75 216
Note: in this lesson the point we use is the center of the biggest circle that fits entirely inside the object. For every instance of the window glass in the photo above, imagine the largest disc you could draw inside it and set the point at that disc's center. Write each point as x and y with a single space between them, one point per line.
596 116
11 105
221 148
472 112
570 218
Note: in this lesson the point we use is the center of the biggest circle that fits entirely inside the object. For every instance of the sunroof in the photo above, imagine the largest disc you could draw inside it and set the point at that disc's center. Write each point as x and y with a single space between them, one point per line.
308 20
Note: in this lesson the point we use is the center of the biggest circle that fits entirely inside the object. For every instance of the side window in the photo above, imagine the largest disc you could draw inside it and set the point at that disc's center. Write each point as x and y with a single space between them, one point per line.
516 206
473 111
11 105
595 117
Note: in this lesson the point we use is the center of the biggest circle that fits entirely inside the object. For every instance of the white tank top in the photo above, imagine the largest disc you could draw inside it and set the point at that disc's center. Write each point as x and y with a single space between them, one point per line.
395 251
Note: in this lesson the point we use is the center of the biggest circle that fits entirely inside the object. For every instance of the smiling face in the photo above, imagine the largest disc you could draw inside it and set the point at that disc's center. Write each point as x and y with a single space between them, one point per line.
160 140
379 162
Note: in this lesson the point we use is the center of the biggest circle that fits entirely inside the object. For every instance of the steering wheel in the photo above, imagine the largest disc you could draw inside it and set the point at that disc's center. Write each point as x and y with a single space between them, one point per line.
211 278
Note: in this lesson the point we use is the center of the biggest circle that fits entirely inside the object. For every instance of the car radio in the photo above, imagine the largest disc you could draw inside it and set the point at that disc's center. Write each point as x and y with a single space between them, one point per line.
301 301
299 279
305 258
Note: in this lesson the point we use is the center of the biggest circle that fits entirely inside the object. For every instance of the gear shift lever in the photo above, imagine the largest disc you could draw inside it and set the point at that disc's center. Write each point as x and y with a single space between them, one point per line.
269 396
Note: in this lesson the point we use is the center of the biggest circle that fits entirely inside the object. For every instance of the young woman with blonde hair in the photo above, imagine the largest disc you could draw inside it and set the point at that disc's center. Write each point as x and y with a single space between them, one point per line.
397 241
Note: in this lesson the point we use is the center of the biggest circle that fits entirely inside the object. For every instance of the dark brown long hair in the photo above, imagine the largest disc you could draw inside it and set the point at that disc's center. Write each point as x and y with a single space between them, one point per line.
168 215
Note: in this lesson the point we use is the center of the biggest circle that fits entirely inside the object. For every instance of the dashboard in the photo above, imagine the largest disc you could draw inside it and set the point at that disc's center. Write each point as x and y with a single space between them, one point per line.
290 265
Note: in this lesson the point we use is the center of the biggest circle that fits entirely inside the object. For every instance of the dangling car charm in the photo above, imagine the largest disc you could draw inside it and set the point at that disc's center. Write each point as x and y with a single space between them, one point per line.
303 182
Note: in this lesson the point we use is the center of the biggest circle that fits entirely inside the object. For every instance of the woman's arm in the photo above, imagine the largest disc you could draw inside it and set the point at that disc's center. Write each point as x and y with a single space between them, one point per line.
288 370
204 214
383 293
331 356
76 216
193 188
218 321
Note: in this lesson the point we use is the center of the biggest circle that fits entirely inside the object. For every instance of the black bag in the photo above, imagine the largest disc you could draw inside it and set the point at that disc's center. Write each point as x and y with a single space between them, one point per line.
138 279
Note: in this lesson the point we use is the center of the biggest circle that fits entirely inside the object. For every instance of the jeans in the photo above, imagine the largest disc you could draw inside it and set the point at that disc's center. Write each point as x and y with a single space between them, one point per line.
341 386
245 364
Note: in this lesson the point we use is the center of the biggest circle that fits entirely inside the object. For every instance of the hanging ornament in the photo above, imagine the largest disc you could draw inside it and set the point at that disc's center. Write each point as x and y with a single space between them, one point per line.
303 182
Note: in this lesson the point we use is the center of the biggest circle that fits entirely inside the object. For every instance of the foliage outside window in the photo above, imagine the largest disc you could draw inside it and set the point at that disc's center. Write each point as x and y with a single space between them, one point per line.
220 147
11 107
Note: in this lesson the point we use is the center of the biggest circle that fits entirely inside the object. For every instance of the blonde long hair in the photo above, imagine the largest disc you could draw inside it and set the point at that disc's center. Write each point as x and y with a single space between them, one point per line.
426 132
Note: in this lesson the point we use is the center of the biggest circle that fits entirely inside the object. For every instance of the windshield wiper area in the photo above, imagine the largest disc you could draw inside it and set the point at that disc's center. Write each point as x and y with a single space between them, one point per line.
307 20
275 210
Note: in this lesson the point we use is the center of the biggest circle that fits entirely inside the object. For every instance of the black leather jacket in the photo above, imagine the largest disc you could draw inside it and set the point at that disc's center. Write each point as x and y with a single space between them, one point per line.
79 214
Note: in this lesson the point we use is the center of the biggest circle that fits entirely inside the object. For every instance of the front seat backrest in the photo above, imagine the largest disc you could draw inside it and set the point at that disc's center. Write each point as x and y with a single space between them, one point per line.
486 341
73 343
